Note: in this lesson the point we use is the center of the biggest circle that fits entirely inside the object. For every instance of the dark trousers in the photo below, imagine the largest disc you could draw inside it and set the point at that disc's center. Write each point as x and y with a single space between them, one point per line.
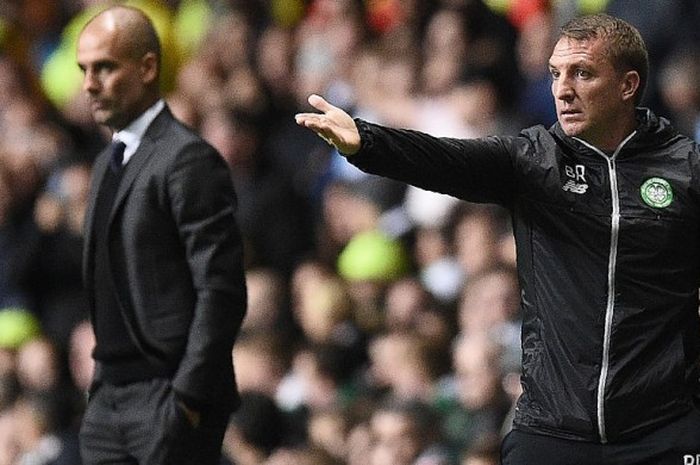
677 443
140 423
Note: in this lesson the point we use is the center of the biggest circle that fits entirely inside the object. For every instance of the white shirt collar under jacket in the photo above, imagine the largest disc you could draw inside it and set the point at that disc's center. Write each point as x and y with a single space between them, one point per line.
133 133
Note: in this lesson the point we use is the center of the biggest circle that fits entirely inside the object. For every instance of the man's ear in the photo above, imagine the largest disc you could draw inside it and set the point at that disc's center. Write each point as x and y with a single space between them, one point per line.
630 85
149 67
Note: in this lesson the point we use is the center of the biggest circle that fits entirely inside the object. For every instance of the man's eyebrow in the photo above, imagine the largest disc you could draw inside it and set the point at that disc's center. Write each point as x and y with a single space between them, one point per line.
580 63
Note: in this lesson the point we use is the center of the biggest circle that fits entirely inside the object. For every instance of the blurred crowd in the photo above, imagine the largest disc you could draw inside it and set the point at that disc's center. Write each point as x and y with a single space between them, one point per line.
383 321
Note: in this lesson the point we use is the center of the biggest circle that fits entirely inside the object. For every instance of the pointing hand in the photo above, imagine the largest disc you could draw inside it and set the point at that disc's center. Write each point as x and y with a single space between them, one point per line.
333 125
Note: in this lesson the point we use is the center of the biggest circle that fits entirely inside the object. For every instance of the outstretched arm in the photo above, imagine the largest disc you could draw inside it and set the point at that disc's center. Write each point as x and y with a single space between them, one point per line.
477 170
333 125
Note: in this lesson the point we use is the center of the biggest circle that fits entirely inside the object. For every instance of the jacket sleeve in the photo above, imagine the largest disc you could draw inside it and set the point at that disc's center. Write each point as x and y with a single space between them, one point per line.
203 203
477 170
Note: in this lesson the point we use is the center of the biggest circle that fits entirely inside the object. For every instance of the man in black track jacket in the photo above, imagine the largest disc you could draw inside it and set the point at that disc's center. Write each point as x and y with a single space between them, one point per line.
606 215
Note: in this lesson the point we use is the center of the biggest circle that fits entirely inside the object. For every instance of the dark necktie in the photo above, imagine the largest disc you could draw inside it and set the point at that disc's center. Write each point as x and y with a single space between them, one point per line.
116 150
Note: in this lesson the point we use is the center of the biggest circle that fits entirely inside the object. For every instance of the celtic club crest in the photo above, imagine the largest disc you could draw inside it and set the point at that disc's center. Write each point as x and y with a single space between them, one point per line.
657 192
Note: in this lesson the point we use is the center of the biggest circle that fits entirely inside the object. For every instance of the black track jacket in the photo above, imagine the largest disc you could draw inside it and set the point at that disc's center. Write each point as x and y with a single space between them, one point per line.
608 250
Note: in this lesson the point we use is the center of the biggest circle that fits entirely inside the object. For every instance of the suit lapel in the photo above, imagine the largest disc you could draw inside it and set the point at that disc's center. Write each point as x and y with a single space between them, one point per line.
138 161
99 169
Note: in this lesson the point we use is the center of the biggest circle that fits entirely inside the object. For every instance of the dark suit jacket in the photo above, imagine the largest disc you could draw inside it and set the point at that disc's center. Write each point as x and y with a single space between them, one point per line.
176 259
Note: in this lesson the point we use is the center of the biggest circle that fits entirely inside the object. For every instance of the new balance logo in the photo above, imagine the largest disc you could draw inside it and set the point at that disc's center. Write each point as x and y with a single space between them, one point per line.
577 179
571 186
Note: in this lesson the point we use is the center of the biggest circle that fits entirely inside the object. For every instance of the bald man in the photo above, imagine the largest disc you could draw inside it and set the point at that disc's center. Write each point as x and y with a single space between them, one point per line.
162 264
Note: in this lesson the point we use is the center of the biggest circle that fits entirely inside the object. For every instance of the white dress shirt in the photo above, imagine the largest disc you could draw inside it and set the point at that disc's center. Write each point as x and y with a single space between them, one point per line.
133 133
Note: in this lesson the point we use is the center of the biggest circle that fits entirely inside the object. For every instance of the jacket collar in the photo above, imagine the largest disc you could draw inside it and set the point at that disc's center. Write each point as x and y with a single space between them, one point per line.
651 132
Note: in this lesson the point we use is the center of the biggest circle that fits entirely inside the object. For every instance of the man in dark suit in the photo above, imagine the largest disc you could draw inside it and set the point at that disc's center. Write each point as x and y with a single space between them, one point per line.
162 264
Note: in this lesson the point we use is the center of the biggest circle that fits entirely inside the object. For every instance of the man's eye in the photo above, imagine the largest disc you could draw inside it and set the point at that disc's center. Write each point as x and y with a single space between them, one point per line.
554 73
104 67
582 73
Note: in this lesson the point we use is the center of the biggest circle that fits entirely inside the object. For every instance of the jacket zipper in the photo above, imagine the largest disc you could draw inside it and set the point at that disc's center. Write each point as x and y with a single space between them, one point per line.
612 263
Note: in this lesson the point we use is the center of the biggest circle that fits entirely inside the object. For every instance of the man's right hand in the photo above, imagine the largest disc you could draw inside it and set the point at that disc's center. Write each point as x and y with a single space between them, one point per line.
333 125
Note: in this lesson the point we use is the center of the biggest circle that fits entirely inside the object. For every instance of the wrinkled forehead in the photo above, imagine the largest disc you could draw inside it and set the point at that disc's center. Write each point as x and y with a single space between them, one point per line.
567 49
93 48
92 38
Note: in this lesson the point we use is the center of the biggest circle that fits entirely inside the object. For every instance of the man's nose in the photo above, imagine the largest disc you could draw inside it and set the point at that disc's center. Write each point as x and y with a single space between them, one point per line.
90 82
562 89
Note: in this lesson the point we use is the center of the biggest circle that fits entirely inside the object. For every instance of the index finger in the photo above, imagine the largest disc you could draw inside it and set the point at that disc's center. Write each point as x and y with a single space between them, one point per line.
320 103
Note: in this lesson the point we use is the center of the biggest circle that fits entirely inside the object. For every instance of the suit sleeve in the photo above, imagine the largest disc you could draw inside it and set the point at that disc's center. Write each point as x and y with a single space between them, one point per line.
477 170
203 203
